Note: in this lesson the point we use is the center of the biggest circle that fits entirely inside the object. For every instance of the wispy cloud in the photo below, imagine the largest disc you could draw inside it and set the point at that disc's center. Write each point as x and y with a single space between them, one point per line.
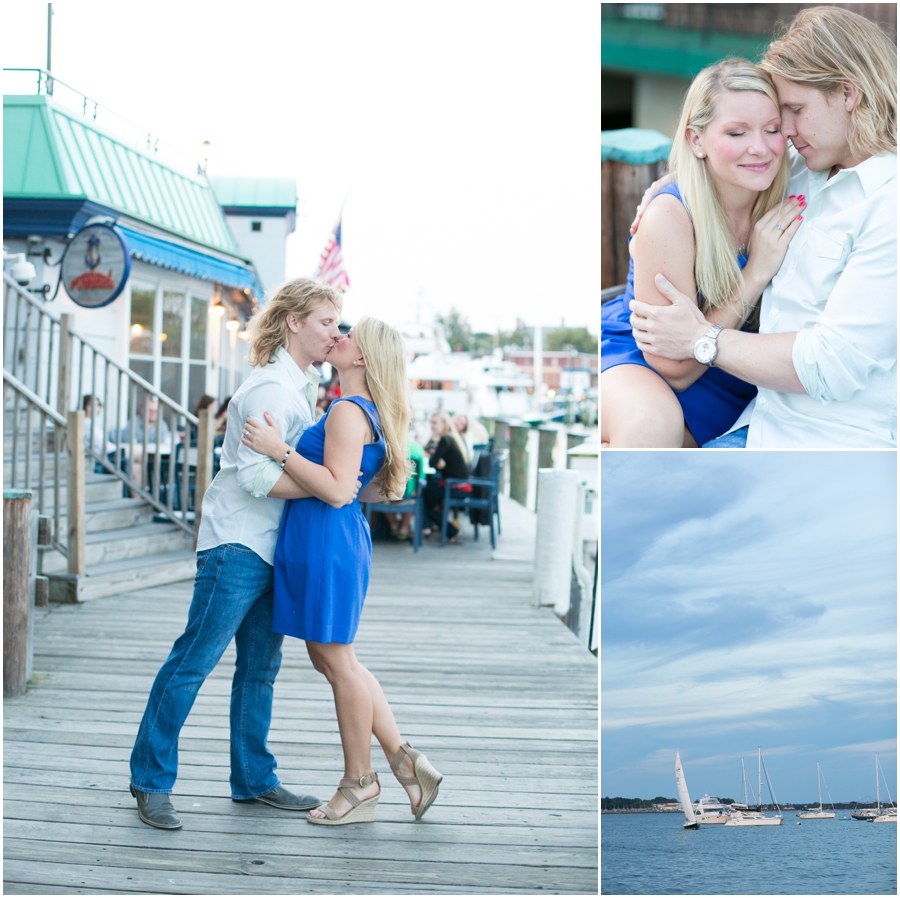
745 596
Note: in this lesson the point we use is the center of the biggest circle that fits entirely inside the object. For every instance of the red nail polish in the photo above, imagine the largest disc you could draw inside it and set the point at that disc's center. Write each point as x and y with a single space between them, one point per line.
793 196
799 218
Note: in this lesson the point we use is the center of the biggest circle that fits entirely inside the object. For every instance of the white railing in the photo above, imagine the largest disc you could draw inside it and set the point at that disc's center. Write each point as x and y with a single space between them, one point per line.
155 460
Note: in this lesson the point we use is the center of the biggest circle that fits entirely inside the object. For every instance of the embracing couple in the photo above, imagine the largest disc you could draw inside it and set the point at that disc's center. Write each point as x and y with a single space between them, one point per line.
761 307
284 549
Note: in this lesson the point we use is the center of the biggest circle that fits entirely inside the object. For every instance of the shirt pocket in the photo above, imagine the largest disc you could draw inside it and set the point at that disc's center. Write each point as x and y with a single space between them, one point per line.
826 259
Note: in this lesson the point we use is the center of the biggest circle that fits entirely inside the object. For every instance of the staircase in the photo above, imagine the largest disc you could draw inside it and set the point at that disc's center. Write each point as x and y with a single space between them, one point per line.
125 548
122 535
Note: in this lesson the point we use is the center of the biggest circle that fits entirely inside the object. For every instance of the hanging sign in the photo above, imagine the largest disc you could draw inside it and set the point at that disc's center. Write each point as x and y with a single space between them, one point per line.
96 265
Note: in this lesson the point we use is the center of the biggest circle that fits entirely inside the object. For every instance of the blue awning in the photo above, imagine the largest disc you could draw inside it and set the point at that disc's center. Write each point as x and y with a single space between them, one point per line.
189 261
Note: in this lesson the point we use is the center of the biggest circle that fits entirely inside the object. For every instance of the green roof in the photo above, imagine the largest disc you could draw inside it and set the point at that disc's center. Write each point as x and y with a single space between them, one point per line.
641 46
255 193
51 152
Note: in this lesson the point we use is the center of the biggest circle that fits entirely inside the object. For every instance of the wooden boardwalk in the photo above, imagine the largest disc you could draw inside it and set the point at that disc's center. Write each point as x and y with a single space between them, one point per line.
499 694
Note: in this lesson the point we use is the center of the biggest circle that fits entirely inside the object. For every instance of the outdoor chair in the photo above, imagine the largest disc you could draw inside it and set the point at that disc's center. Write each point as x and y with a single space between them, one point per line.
482 504
413 503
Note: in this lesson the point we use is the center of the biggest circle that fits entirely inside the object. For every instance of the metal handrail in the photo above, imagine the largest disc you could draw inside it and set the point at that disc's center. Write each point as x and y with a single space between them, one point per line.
47 83
36 341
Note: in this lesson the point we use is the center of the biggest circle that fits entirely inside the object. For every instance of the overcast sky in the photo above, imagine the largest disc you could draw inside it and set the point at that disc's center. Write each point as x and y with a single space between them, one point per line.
465 137
748 598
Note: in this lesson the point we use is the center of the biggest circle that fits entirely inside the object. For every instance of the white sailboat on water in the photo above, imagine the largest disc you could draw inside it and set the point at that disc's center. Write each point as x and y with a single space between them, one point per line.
756 818
888 814
820 814
690 822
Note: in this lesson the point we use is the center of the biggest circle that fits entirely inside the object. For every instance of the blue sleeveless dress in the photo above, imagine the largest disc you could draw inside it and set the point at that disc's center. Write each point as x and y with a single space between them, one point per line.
712 403
323 554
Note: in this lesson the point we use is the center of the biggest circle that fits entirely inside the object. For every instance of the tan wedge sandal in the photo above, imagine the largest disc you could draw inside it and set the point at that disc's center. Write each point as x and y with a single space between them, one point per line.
361 812
425 777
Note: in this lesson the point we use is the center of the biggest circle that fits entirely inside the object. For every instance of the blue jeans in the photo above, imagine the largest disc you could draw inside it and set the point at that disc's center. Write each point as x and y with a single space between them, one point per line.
735 440
232 599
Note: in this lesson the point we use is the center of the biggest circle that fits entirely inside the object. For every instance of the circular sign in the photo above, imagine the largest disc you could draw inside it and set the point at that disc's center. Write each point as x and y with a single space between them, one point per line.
96 265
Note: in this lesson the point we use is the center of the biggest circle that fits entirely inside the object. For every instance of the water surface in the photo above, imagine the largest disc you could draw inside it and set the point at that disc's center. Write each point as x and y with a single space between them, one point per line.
650 854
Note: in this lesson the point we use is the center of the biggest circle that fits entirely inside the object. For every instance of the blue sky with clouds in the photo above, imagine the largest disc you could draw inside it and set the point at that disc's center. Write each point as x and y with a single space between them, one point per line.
748 598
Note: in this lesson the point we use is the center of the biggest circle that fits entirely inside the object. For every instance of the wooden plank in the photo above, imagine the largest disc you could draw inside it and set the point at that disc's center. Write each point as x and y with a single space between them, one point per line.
515 739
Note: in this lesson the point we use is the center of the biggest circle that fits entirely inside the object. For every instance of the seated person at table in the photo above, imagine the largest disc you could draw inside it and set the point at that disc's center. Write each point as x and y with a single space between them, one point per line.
449 457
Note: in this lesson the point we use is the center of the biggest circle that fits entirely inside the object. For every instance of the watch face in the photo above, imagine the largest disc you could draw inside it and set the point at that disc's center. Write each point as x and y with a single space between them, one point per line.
705 351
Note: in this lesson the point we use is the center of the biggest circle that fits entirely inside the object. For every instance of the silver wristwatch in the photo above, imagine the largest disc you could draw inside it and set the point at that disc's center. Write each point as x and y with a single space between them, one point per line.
705 349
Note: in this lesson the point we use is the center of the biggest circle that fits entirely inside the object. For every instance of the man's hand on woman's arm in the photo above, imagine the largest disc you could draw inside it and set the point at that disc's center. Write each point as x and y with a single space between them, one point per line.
671 331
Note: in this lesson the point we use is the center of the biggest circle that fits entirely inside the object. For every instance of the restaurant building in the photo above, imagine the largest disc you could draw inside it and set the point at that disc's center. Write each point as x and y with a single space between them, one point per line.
172 264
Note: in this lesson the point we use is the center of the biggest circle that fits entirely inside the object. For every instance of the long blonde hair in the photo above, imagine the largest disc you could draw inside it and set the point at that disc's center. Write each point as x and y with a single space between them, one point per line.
268 327
716 270
384 353
827 45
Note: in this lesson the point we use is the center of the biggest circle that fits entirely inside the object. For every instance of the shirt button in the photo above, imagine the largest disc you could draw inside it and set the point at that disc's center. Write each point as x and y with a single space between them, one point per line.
762 400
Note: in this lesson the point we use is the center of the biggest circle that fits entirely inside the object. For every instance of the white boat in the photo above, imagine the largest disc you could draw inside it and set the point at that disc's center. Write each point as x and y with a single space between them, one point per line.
756 818
884 815
710 810
690 821
820 814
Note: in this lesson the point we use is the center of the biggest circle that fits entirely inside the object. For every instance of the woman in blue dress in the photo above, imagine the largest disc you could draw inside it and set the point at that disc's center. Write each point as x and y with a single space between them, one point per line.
720 231
324 552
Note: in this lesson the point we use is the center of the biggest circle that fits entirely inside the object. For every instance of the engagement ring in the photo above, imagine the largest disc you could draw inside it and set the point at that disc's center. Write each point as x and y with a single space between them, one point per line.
778 227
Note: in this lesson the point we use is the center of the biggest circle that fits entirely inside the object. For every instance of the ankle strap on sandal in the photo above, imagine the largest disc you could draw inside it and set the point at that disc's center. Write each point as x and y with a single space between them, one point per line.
360 782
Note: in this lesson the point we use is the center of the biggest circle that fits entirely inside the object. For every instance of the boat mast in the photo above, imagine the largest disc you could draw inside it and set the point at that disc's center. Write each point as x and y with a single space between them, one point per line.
877 793
759 765
819 778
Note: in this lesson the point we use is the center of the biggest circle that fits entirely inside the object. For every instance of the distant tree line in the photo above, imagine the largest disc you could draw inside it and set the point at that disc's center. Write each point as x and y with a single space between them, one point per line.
462 338
633 804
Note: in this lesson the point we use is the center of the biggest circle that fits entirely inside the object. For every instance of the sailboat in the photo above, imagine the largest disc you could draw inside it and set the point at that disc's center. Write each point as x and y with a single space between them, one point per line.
690 821
889 814
820 814
756 818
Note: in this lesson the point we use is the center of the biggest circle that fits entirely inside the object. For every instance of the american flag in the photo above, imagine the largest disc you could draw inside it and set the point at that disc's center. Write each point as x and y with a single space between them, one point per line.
331 264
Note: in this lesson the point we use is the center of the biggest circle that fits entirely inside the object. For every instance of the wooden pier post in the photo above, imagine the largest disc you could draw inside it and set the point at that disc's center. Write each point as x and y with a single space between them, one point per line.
547 439
631 160
75 493
518 463
500 437
16 571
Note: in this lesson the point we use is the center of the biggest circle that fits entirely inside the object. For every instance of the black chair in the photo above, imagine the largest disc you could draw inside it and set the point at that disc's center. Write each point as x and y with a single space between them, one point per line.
482 504
414 503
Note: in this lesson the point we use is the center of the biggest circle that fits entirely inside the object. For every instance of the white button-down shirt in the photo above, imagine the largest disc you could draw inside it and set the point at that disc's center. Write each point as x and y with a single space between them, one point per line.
235 507
837 288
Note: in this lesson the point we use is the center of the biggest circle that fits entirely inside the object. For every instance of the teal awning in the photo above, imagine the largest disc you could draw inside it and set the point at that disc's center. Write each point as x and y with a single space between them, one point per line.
637 146
188 261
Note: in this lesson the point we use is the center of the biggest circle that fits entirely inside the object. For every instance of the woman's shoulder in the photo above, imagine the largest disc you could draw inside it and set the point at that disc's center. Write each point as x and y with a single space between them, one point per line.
356 409
666 219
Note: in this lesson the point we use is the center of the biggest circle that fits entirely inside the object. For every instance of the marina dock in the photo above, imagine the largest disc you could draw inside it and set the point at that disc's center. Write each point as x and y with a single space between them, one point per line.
498 692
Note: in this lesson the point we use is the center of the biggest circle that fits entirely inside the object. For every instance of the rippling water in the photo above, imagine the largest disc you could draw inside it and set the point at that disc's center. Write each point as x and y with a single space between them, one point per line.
650 854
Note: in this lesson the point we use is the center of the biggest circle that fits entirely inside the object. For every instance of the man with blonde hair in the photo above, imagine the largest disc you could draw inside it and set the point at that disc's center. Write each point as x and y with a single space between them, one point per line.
825 357
232 598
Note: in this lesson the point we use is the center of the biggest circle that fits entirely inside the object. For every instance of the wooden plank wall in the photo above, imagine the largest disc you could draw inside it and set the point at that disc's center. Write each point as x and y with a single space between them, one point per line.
498 693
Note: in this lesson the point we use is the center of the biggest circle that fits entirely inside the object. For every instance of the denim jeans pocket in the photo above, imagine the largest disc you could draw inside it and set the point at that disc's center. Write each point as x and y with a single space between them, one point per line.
238 549
202 559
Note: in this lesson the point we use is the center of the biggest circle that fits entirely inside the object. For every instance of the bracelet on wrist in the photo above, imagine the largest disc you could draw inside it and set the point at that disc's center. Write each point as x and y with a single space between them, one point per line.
286 454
